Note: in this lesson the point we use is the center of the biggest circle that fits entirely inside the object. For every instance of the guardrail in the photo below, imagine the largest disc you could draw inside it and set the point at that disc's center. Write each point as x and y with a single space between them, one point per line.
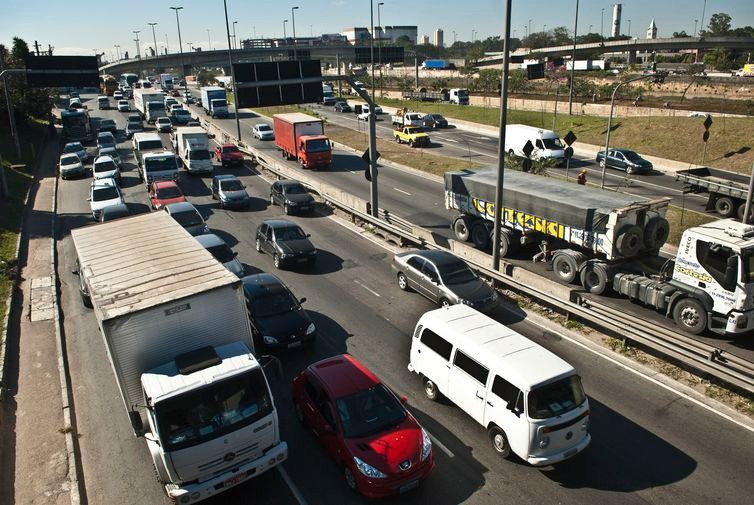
702 357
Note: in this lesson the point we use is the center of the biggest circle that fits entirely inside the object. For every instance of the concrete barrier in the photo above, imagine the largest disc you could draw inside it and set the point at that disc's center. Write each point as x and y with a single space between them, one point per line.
540 283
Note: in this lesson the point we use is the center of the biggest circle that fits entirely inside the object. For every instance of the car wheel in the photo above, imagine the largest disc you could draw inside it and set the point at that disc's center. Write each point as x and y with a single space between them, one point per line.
602 163
410 143
499 441
444 302
403 282
431 391
258 245
272 200
630 170
350 479
276 260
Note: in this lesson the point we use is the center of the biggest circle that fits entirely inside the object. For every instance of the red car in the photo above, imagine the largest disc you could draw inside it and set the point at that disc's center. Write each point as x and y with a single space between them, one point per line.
229 154
162 193
175 92
363 426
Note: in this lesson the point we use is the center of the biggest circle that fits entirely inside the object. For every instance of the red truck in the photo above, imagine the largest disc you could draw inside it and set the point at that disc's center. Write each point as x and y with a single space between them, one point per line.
303 138
228 154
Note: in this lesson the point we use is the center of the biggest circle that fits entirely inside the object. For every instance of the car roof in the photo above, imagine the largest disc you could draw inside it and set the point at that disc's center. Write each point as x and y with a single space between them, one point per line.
210 240
104 182
280 223
102 120
103 159
165 184
229 145
118 208
173 208
343 375
624 151
436 257
262 283
70 155
73 144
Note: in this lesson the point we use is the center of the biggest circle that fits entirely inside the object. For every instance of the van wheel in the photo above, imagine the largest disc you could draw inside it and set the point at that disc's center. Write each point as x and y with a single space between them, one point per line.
403 282
444 302
431 391
499 441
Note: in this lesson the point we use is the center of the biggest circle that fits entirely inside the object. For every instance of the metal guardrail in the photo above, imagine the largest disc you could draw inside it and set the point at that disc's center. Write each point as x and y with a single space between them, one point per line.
705 358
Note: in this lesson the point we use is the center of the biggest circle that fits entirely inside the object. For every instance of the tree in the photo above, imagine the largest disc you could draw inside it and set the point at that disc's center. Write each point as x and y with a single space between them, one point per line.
474 55
403 40
488 80
682 33
27 102
561 36
720 59
719 24
205 78
517 81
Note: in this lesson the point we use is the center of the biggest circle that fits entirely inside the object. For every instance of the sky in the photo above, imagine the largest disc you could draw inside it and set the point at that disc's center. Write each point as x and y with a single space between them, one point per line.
78 27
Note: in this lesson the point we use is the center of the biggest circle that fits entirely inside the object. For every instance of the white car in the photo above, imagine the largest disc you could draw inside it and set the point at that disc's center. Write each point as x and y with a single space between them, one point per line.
113 153
263 131
123 106
163 124
104 167
117 95
103 193
70 165
78 149
175 107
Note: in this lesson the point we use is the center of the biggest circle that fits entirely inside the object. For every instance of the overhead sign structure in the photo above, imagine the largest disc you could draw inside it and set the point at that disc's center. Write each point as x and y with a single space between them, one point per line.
57 71
253 92
535 71
382 54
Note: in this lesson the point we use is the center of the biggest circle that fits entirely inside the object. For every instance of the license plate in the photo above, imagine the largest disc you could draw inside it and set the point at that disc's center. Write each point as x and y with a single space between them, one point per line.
409 486
294 344
234 480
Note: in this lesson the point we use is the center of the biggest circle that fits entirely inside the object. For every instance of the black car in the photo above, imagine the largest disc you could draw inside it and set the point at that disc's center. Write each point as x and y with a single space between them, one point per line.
286 242
626 160
107 125
112 212
292 196
342 107
277 319
434 121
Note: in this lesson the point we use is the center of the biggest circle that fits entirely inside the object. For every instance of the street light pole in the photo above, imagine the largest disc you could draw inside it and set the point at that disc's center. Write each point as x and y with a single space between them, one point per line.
156 51
284 35
232 71
573 59
379 42
629 28
117 50
293 22
695 23
235 40
209 40
602 24
180 47
371 51
701 25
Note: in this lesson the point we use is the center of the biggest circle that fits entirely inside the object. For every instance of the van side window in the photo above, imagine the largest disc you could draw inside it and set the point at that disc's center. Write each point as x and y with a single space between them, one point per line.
540 145
437 343
508 392
471 367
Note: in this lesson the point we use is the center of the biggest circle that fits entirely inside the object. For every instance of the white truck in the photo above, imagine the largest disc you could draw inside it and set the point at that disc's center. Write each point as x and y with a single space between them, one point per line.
403 117
145 142
178 338
166 81
192 146
149 103
546 143
608 241
214 101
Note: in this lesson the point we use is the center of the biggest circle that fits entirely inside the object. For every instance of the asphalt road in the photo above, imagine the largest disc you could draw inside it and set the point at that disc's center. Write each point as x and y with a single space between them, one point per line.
649 444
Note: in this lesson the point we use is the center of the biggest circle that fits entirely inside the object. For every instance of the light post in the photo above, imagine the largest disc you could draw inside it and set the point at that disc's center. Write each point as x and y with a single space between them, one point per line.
180 48
590 28
529 32
629 28
209 40
379 42
191 46
371 51
544 28
701 25
232 71
602 24
167 47
573 59
284 35
695 22
156 52
117 50
454 37
293 22
235 40
138 50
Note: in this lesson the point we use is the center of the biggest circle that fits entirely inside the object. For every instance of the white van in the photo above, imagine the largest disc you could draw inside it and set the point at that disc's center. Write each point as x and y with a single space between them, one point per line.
546 143
530 401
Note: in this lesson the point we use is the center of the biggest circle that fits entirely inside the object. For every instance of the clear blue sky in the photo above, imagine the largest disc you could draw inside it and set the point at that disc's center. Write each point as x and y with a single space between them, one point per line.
79 26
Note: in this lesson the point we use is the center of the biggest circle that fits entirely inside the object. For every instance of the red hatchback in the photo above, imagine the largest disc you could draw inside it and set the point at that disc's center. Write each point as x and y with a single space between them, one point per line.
362 424
164 192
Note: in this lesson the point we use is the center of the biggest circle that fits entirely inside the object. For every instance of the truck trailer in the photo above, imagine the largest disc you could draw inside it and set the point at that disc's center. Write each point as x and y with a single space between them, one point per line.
149 103
458 96
302 137
192 146
214 101
174 323
606 240
727 190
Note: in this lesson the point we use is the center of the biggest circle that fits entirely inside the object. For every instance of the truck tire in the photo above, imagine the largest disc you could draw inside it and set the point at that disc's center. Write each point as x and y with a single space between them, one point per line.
594 278
630 241
565 267
690 316
507 243
480 236
656 233
725 206
461 228
740 212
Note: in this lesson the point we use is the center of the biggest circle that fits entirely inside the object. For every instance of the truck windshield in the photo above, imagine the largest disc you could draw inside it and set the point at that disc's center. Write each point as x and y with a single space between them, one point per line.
219 103
463 93
557 398
201 154
146 145
159 164
747 260
155 105
204 414
317 146
552 143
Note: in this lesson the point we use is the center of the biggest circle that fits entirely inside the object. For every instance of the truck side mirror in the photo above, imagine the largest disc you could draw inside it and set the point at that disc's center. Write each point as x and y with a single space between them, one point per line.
136 422
731 269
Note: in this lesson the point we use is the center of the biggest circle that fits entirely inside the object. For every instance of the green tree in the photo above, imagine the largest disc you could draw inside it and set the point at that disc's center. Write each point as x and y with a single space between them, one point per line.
517 82
682 33
27 102
488 80
719 24
720 59
561 36
205 77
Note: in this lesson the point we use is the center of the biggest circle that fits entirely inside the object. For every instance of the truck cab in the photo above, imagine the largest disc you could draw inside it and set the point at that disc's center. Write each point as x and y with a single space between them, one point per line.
197 158
159 166
314 151
459 96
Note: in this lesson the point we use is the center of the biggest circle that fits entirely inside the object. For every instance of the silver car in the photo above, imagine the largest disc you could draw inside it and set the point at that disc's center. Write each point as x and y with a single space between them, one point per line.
443 278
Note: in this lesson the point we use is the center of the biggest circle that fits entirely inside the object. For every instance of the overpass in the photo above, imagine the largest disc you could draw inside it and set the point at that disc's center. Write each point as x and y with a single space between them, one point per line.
633 46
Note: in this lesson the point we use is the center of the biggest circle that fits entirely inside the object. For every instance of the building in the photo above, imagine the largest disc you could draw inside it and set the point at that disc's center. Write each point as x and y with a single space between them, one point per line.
357 35
652 30
438 38
393 33
615 32
361 35
425 40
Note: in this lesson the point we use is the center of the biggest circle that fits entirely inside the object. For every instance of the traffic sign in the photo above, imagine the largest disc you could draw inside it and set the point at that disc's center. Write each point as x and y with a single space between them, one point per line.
252 92
528 148
705 136
708 122
569 138
568 152
56 71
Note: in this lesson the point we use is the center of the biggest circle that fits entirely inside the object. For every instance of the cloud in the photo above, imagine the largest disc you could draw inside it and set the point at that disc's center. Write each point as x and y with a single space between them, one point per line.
339 3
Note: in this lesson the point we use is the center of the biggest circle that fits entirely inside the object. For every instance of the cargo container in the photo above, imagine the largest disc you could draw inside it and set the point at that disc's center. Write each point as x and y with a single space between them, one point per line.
214 101
727 190
150 103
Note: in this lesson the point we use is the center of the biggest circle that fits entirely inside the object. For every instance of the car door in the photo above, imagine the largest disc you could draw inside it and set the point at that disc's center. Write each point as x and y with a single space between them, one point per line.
214 187
319 414
261 233
415 276
275 192
269 241
504 407
432 281
467 385
620 160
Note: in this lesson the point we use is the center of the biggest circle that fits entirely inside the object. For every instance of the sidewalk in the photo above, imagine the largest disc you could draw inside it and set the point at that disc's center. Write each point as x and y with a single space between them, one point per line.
35 459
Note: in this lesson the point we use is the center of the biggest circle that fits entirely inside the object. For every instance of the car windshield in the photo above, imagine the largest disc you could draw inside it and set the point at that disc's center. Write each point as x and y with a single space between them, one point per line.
159 164
317 146
369 411
107 140
203 414
552 143
73 148
181 112
557 398
169 192
456 273
264 128
187 217
289 233
438 117
296 189
222 253
107 122
70 160
106 193
163 120
274 303
103 166
632 156
231 185
123 102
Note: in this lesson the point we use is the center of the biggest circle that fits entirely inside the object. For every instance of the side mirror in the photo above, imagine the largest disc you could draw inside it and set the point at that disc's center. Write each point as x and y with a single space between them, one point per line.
404 400
308 235
303 300
152 438
88 199
510 406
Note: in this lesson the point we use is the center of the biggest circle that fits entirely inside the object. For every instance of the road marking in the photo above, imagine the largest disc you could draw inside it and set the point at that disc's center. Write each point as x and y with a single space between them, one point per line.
439 444
446 139
367 288
294 489
401 191
482 138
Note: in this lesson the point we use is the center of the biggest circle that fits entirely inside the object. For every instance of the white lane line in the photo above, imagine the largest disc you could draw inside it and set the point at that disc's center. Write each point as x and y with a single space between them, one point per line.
401 191
482 138
439 444
446 139
294 489
375 293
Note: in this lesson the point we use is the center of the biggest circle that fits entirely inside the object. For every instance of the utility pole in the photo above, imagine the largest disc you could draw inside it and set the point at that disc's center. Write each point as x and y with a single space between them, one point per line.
180 47
573 59
138 50
235 41
379 42
232 71
293 22
371 51
602 24
156 52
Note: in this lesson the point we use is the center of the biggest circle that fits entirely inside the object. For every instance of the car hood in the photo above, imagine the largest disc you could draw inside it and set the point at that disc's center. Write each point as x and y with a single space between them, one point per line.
105 203
387 450
284 327
300 246
299 198
241 194
473 290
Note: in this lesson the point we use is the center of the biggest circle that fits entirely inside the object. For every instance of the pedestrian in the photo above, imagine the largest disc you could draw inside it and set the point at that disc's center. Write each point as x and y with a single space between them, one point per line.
581 179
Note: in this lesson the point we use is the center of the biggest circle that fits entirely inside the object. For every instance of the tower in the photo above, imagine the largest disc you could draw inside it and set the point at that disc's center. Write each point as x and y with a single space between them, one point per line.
616 20
652 30
438 37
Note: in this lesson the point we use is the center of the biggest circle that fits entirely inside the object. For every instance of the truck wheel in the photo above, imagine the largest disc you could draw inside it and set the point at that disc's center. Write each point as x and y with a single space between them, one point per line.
690 316
656 233
499 441
565 267
725 206
740 212
480 236
594 278
507 243
410 143
630 241
461 228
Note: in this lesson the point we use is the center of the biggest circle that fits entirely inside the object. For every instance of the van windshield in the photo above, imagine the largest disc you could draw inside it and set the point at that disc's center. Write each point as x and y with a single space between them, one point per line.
160 164
553 143
557 398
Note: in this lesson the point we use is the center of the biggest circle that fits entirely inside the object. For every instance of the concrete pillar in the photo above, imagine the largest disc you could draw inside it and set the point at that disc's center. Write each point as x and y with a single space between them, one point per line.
632 57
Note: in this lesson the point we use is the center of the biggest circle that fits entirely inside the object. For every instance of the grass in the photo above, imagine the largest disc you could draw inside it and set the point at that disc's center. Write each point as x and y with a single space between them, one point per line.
680 220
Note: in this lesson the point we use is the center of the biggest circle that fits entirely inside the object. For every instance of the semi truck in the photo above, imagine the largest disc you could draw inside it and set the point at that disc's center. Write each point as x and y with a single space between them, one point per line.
609 241
77 126
727 190
435 64
150 103
166 81
214 101
302 137
192 146
459 96
178 339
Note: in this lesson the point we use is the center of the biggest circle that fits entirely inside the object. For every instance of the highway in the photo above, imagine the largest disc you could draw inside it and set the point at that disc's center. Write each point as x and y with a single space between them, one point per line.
650 445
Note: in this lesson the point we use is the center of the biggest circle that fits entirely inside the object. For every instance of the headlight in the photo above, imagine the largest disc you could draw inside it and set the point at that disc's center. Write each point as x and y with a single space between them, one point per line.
269 340
368 470
544 442
426 445
467 302
311 329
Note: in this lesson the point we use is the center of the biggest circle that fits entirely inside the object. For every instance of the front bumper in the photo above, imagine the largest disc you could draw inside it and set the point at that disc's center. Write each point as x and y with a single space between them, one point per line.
392 485
236 203
192 493
560 456
232 161
302 259
298 342
740 322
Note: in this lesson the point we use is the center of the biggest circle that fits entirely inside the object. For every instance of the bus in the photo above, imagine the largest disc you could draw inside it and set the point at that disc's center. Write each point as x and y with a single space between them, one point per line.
107 85
129 80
